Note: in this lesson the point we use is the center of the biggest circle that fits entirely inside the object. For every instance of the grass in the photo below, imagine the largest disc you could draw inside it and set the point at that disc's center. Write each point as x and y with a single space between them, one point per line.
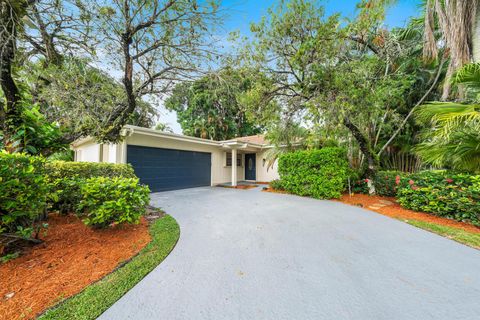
469 238
98 297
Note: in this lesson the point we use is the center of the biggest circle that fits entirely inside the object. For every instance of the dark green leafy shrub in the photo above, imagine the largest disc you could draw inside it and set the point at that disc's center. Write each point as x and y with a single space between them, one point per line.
110 201
387 182
446 194
319 173
65 179
276 184
360 186
23 193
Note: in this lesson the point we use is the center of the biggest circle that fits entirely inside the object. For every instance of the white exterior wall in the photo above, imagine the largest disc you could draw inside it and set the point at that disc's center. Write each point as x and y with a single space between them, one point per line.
89 152
264 175
220 172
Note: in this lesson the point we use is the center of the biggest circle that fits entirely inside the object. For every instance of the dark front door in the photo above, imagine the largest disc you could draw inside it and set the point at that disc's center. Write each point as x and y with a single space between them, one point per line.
168 169
250 167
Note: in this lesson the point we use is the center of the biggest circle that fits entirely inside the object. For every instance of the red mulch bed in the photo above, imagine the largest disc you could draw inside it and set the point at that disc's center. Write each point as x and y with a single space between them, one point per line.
396 211
71 257
274 190
243 187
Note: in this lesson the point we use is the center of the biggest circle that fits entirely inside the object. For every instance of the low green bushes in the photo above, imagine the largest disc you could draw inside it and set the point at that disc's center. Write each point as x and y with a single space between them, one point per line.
23 193
387 182
108 201
65 180
446 194
319 173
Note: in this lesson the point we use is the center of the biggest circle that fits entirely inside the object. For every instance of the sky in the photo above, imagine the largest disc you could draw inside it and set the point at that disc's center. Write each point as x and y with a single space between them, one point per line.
240 13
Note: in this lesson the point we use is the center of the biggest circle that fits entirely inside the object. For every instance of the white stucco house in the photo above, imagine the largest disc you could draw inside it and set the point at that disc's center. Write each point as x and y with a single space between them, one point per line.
168 161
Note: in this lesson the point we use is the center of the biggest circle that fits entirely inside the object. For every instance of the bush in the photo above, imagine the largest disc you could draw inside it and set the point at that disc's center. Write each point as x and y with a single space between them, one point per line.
276 184
387 182
109 201
23 193
65 179
316 173
446 194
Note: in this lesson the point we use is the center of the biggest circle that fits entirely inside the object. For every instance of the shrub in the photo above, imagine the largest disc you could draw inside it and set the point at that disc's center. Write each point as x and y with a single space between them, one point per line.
446 194
276 184
22 193
319 173
109 201
387 182
65 179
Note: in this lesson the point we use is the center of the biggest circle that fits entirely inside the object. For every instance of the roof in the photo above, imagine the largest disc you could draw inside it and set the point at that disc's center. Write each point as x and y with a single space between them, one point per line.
256 139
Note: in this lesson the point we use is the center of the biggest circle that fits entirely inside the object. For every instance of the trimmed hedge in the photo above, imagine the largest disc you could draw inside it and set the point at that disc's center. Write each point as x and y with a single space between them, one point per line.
65 180
23 193
319 173
110 201
446 194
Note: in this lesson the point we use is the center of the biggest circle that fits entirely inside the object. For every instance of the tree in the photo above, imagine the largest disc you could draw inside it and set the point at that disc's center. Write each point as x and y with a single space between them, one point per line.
210 108
453 137
332 75
155 44
458 22
57 88
11 24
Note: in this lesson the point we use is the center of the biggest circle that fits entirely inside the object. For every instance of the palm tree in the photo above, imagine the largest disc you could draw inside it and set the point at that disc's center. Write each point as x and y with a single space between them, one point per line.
454 139
459 23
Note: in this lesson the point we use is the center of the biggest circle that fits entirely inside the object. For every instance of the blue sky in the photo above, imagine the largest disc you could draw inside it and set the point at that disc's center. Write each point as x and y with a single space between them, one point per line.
242 12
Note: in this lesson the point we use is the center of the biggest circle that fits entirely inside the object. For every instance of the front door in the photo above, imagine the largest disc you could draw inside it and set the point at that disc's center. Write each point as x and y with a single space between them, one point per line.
250 167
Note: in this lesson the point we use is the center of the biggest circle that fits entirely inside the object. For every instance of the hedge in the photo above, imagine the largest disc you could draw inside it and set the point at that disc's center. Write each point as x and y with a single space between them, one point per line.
319 173
446 194
109 201
387 182
23 193
65 179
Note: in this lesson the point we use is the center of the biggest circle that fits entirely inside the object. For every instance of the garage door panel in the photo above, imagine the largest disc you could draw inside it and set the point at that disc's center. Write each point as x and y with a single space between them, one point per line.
168 169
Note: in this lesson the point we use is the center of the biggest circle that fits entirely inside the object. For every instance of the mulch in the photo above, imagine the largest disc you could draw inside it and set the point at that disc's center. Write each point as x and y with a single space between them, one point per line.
394 210
71 257
242 187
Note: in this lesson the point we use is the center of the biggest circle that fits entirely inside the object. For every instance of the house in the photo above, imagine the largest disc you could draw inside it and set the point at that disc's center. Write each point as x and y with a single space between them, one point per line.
168 161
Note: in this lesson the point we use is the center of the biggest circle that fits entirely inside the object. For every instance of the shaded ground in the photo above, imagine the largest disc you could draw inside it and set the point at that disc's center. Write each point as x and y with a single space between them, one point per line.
245 254
72 257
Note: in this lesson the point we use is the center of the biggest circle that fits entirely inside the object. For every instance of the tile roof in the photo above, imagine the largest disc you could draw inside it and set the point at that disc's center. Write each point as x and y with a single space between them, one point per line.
256 139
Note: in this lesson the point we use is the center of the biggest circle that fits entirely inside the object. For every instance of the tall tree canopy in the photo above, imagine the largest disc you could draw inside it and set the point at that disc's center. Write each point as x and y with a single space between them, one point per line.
210 108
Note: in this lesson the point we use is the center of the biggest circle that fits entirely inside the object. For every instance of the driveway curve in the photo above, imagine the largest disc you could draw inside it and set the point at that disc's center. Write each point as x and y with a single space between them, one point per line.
246 254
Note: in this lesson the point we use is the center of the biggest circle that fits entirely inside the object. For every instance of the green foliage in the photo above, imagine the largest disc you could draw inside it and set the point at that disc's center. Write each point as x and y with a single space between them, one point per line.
209 107
452 138
65 180
34 134
316 173
387 182
98 297
446 194
276 184
23 193
110 201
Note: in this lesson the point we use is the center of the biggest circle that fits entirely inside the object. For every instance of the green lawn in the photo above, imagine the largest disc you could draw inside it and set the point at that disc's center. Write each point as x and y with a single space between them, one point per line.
98 297
459 235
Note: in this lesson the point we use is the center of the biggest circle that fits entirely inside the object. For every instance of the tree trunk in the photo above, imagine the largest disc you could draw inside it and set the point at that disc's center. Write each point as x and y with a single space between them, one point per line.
372 162
10 111
476 38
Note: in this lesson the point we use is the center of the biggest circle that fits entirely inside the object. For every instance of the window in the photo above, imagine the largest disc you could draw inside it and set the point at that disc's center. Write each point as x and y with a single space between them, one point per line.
229 159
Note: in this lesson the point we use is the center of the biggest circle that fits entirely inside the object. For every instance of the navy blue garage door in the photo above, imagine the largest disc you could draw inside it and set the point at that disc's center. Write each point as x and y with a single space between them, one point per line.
168 169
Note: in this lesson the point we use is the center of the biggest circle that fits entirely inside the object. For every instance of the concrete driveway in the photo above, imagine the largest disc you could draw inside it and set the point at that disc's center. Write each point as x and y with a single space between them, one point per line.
246 254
